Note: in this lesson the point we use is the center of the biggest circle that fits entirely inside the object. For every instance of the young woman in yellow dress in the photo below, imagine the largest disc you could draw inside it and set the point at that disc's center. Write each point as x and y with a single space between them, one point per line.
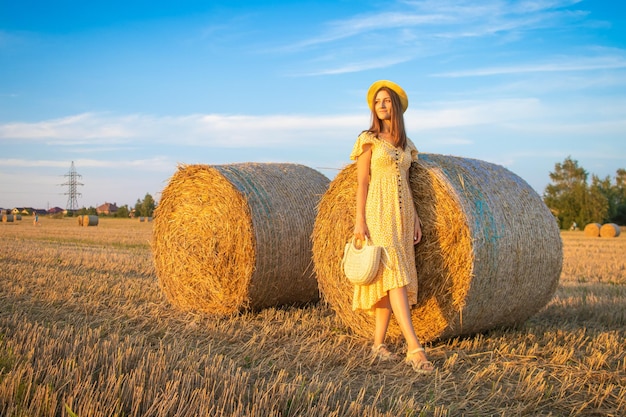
386 215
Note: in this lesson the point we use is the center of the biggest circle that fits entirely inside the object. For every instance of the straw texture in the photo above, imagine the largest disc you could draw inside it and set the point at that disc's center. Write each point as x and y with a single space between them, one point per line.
609 230
592 230
235 237
491 252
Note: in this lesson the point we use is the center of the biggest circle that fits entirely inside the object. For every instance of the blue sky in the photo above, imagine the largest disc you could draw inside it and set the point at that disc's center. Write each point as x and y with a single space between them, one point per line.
128 90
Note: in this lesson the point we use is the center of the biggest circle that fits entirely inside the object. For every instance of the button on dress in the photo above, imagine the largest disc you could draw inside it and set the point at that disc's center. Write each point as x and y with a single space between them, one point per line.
390 216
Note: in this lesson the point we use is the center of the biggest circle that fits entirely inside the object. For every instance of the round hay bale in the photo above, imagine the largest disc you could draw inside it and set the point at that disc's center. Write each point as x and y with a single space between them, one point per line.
80 219
609 230
90 220
7 218
490 255
141 219
18 217
592 230
233 237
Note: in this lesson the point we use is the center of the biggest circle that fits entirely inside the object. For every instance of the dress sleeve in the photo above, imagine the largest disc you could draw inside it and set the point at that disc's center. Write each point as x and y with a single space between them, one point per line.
363 139
413 149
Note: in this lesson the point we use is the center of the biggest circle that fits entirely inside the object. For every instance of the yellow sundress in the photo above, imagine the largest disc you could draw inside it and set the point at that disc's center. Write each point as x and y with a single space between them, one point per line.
390 216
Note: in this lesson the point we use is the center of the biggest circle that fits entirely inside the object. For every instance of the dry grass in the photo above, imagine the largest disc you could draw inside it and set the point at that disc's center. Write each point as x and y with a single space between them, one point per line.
85 330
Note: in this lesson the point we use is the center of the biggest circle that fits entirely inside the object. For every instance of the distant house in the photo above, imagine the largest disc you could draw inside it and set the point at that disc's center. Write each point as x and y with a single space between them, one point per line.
107 208
22 210
55 210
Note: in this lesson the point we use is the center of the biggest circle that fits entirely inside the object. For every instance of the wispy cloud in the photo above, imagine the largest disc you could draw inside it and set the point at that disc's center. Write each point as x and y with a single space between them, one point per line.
363 24
449 19
447 115
431 27
83 127
561 64
150 164
210 130
351 67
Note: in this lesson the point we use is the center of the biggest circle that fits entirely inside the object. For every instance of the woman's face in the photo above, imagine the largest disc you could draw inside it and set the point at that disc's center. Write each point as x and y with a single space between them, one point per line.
382 105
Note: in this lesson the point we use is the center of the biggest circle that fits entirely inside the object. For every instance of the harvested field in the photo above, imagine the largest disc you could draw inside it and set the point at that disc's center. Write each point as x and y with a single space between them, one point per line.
85 330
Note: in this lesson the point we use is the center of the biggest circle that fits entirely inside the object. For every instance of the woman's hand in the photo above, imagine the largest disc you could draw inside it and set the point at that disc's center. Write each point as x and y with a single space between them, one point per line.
361 231
417 230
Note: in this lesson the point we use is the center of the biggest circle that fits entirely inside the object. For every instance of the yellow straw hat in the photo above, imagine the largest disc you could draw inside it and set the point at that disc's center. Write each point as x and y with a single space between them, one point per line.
391 85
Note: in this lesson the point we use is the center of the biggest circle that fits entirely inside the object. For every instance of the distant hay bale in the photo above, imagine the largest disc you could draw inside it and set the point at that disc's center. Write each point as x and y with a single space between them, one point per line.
90 220
233 237
609 230
80 220
141 219
490 255
592 229
7 218
18 217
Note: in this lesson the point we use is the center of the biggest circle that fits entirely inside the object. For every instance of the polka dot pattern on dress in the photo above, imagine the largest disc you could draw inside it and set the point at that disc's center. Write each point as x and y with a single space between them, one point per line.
390 217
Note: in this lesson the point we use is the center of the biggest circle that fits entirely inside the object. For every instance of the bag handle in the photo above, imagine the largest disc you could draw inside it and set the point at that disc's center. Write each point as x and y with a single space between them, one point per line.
365 243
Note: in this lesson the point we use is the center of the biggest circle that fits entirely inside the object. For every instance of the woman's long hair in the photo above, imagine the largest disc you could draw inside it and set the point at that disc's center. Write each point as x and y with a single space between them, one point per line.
398 133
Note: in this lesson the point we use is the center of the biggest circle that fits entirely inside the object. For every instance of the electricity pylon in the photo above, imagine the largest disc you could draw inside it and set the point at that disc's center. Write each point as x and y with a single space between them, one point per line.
72 191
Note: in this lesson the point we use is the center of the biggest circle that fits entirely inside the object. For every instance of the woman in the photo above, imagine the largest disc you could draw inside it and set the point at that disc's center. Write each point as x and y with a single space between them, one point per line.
386 215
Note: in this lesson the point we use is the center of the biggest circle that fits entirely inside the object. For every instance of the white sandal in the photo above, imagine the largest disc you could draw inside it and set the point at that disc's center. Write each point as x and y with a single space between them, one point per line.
381 353
420 366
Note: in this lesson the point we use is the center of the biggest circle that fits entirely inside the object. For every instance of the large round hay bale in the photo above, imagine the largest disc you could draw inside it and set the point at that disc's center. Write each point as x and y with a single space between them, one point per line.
234 237
18 217
80 219
90 220
609 230
7 218
592 230
490 256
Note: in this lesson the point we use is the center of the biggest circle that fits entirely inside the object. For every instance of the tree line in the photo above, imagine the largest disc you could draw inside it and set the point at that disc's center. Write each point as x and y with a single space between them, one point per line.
574 200
143 208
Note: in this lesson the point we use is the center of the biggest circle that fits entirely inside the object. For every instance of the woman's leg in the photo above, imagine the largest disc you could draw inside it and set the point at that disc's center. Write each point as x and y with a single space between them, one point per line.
383 316
399 302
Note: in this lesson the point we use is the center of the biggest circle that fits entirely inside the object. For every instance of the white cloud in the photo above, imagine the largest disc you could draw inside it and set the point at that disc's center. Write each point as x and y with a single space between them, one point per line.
470 113
151 164
560 64
211 130
350 67
414 29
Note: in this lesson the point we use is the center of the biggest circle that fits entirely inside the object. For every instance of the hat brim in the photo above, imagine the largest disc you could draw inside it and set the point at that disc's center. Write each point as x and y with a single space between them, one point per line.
404 99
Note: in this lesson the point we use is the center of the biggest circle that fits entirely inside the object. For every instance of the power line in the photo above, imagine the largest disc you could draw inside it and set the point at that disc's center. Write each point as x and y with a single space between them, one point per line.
72 188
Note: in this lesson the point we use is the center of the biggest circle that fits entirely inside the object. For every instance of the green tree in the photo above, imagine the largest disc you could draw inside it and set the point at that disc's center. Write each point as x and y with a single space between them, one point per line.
123 212
618 215
145 207
597 200
148 205
138 209
567 194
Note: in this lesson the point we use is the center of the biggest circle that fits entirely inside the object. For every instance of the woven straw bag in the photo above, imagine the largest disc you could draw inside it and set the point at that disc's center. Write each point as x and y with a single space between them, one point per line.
360 265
